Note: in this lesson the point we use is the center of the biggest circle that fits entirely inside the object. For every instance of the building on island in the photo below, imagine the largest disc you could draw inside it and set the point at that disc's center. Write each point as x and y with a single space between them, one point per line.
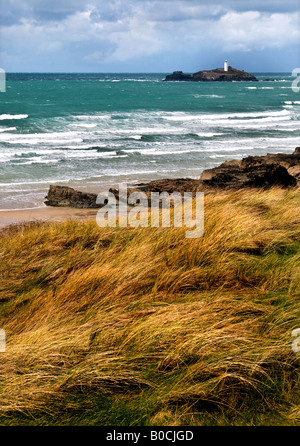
227 74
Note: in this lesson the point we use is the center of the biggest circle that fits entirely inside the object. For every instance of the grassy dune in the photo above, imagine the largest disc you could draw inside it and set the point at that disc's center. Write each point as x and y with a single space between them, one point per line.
122 326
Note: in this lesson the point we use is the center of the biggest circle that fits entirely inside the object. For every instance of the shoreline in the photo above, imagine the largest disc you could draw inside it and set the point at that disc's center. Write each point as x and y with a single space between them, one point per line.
47 213
251 172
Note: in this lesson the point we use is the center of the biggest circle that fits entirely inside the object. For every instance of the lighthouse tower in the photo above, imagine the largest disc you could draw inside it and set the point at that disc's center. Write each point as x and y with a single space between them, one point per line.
226 65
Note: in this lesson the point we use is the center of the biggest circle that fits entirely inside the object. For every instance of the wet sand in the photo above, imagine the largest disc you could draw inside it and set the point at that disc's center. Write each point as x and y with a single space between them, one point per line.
9 217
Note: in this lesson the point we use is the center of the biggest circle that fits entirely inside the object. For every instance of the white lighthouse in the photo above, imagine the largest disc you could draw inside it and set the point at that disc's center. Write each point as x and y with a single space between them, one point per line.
226 65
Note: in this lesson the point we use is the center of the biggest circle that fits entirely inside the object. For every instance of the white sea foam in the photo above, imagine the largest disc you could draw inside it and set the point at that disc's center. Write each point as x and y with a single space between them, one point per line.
190 151
85 125
21 139
209 134
91 155
7 129
139 80
225 156
147 130
235 121
7 117
56 138
38 161
216 96
179 116
95 116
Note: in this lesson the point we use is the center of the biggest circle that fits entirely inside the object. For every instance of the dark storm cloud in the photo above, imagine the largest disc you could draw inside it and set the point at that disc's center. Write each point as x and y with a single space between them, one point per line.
108 34
39 9
12 11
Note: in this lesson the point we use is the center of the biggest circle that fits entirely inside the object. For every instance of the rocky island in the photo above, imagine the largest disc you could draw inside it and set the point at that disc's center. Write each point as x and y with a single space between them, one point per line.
226 74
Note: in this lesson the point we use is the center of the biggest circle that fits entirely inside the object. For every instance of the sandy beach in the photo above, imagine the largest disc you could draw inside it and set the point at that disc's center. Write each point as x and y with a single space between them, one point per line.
9 217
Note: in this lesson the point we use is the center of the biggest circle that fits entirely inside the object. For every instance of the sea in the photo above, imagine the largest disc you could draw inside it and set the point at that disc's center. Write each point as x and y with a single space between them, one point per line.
94 131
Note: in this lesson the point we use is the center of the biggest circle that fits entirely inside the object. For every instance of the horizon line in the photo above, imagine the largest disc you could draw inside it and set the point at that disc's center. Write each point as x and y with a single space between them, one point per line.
117 72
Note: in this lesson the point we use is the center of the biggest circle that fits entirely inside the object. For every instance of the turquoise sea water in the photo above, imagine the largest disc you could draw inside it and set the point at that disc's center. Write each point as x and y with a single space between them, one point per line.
90 131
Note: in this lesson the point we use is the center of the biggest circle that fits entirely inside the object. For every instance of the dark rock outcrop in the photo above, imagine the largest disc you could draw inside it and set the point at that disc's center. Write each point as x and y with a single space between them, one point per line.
179 76
290 161
62 196
217 75
180 185
248 175
256 171
220 75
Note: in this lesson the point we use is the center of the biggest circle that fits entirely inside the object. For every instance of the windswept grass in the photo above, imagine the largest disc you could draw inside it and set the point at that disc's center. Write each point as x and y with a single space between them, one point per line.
121 326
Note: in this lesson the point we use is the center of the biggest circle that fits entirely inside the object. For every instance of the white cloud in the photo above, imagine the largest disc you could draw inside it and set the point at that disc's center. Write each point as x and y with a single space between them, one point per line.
255 30
121 31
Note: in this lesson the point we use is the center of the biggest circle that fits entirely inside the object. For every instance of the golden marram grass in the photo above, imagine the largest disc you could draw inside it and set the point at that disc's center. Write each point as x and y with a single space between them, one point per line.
145 327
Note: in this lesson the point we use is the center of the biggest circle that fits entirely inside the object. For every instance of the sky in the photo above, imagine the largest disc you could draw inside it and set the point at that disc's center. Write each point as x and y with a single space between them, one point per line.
157 36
